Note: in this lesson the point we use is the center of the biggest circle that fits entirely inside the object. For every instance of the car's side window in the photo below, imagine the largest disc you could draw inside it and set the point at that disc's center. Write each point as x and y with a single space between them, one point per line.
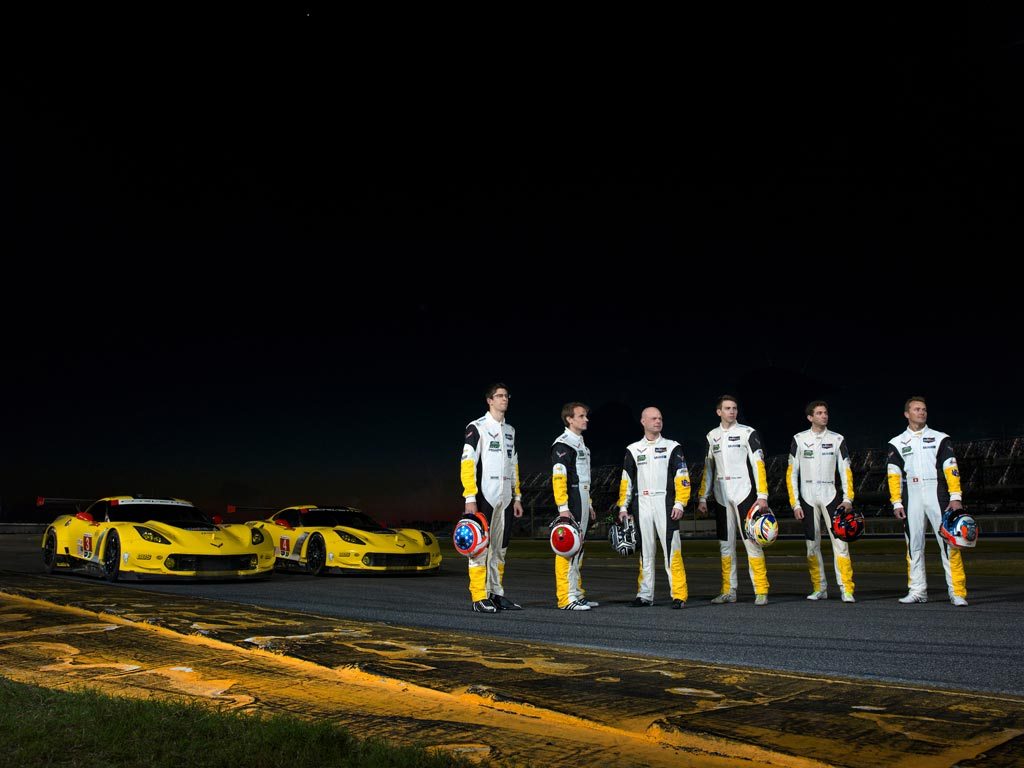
293 517
99 511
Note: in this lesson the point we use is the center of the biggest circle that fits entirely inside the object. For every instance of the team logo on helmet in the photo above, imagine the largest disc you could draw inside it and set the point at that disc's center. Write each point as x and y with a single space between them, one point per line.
566 538
762 527
471 534
623 537
959 529
848 526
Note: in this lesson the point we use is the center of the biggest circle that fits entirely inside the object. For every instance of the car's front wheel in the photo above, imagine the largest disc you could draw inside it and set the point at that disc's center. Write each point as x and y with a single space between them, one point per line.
112 557
50 551
316 555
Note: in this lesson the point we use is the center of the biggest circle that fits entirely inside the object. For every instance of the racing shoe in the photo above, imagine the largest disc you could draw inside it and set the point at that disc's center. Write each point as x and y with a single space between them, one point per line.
847 597
502 603
761 599
821 594
639 602
725 597
484 606
677 603
957 600
912 598
577 605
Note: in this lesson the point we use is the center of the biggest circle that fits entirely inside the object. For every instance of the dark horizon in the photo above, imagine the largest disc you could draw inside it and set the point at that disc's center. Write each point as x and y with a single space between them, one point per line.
281 282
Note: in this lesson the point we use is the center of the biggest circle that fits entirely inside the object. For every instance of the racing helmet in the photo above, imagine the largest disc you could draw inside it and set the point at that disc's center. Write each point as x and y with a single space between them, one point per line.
566 538
762 527
958 528
623 537
471 534
848 525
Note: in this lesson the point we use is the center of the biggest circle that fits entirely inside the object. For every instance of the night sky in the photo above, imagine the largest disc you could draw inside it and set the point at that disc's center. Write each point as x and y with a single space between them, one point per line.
288 275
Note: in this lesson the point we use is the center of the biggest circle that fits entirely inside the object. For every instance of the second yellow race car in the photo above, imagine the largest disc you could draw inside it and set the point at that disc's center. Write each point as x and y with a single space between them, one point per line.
136 537
323 539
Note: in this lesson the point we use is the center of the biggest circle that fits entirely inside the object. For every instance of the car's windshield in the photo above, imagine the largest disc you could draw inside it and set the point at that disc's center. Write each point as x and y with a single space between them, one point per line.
350 518
177 515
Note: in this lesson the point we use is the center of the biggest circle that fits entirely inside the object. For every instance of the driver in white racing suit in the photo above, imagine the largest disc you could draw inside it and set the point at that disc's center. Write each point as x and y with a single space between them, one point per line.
490 485
923 472
570 483
820 482
734 470
654 470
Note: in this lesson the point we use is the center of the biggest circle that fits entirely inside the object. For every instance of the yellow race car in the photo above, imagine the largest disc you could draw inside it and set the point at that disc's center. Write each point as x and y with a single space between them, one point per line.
135 537
323 539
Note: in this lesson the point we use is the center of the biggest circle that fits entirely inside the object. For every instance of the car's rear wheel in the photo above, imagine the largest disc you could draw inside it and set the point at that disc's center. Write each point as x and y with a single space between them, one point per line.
112 556
316 555
50 551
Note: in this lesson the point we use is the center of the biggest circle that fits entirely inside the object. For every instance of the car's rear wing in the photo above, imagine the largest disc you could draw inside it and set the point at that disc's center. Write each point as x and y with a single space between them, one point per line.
57 503
241 513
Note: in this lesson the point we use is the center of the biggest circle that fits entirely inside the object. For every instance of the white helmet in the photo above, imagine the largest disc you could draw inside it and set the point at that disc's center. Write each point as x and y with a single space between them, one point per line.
959 528
762 527
566 538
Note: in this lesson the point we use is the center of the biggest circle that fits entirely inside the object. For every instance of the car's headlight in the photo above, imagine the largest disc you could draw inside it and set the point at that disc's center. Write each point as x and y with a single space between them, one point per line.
346 536
148 534
257 536
427 538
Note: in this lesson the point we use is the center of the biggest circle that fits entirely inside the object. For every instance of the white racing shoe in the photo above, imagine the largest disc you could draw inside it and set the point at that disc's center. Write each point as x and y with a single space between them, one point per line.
577 605
912 598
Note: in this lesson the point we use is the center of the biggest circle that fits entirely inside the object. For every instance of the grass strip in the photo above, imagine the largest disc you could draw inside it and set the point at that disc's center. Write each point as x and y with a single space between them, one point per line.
86 729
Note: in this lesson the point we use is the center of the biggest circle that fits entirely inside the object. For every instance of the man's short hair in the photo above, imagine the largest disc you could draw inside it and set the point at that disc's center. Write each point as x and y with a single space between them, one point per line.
494 388
914 399
569 409
809 410
723 398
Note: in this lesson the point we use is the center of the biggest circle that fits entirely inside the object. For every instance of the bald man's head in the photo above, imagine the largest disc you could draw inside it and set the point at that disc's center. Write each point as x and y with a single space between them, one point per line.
650 419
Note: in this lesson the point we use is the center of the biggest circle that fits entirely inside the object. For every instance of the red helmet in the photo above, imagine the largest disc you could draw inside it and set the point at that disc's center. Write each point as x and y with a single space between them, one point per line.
848 525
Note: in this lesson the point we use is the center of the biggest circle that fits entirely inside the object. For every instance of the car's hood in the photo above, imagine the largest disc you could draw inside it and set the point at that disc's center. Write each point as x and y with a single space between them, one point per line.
401 538
232 536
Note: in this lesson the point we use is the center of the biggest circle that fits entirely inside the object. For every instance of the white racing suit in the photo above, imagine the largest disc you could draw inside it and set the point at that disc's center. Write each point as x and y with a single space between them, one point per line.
570 481
819 463
924 478
656 474
490 477
734 470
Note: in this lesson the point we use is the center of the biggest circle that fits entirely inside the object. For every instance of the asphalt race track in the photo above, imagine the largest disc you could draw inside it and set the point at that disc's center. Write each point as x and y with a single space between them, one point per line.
976 648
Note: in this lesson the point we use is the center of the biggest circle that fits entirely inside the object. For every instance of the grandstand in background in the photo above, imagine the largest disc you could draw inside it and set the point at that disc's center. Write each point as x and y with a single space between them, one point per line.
991 476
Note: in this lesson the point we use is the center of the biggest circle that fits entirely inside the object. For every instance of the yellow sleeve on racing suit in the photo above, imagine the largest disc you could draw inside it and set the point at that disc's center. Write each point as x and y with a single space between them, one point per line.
894 474
470 456
845 471
944 456
559 475
707 476
681 477
793 475
756 456
628 483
